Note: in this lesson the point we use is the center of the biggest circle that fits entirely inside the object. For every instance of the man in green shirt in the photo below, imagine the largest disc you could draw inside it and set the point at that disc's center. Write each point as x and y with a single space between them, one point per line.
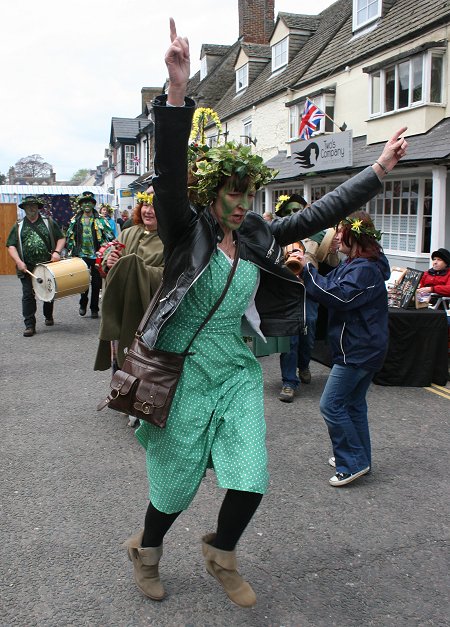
34 240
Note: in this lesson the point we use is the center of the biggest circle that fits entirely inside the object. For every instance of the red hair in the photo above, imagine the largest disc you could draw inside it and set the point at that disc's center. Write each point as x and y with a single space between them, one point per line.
361 245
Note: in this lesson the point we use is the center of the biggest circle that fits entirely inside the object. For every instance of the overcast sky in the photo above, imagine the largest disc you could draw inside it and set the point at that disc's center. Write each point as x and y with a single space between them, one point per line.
67 68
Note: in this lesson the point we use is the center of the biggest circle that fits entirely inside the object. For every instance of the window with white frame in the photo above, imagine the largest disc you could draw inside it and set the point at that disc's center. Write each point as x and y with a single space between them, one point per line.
130 159
246 132
280 54
402 212
203 68
212 140
317 191
242 78
325 102
365 12
285 191
407 84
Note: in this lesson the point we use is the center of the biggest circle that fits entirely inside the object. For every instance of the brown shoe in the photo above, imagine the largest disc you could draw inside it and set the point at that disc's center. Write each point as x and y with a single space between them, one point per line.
29 331
145 562
49 322
223 566
305 375
287 394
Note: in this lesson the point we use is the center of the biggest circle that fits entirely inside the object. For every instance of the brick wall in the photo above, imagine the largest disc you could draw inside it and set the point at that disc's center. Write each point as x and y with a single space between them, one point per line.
256 20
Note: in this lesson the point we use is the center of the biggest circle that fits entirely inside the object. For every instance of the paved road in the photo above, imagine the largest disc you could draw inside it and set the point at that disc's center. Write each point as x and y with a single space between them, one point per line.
73 488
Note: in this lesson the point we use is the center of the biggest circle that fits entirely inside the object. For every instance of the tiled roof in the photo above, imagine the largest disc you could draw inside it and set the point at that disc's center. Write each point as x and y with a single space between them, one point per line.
257 50
434 145
302 22
126 128
267 85
214 49
330 48
208 91
405 20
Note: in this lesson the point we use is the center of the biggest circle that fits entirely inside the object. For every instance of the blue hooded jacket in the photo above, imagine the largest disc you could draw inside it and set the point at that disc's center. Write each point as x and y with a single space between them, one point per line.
356 298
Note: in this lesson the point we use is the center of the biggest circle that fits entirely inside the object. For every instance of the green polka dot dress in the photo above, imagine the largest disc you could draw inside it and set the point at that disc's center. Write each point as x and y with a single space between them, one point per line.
217 415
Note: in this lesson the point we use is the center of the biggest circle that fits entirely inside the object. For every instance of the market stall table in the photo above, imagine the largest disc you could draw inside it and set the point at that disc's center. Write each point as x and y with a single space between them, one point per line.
417 354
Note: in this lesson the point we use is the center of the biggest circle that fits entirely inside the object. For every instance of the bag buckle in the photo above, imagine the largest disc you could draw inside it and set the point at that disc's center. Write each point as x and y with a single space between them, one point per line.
145 407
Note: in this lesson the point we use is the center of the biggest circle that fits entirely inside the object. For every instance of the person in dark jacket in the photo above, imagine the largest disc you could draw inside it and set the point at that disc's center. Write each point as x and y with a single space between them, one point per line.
216 419
34 239
356 298
86 233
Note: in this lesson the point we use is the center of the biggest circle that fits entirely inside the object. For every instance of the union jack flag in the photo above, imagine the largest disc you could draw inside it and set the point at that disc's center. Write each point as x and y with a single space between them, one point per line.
310 119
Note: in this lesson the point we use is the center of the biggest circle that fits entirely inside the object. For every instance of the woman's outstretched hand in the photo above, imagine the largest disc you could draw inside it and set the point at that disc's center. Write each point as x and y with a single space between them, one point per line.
178 65
393 151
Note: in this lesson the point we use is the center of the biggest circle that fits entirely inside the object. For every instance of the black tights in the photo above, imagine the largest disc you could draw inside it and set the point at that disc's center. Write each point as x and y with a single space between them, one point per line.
236 512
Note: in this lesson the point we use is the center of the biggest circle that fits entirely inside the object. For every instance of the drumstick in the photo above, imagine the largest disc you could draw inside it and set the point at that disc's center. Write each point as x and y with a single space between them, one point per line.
39 280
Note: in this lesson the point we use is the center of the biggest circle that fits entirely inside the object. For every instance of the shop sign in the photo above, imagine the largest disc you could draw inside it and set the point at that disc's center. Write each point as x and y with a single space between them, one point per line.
325 152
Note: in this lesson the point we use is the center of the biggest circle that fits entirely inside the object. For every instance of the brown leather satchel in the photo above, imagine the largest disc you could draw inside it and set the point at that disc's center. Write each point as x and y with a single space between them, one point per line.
147 382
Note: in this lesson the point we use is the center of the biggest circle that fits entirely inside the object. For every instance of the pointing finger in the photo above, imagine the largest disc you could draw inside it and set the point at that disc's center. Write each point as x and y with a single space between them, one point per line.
397 135
173 29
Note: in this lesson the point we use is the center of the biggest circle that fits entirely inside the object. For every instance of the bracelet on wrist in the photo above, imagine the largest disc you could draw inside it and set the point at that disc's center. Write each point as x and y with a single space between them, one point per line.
385 170
57 252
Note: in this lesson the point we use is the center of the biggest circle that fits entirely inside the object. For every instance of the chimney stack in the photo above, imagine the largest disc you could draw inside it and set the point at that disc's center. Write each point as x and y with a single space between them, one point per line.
256 20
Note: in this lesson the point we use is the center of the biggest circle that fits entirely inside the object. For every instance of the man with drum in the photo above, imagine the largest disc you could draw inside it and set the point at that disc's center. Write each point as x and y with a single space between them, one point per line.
32 240
86 233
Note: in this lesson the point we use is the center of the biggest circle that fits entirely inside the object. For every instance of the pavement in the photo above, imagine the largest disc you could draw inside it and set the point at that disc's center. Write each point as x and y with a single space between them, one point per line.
73 488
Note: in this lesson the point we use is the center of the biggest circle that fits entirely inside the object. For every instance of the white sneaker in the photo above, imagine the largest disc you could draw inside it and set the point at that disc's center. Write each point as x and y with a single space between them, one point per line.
332 461
342 478
132 421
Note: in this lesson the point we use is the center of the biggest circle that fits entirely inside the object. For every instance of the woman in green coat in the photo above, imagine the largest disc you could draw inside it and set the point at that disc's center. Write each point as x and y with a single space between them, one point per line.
134 273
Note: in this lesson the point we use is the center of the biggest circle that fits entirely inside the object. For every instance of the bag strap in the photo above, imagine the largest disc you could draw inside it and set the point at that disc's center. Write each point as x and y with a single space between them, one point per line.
221 297
144 320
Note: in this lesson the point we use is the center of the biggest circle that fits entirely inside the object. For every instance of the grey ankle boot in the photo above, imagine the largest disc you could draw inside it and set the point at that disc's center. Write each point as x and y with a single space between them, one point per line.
223 566
145 562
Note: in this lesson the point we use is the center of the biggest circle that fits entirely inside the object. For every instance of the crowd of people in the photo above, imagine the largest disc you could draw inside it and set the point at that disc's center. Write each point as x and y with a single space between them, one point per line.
183 239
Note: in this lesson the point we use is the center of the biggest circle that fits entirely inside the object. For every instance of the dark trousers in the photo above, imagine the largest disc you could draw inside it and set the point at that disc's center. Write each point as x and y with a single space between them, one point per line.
96 286
29 303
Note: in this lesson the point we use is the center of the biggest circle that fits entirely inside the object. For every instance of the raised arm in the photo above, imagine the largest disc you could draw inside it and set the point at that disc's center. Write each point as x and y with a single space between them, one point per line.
173 118
344 200
393 151
178 64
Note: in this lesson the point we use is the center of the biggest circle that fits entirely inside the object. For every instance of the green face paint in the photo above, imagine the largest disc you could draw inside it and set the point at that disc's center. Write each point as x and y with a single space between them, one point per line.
87 207
31 211
231 206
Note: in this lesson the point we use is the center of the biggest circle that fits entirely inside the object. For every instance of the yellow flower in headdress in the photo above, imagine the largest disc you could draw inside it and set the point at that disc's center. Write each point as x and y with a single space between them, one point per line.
356 226
144 198
281 200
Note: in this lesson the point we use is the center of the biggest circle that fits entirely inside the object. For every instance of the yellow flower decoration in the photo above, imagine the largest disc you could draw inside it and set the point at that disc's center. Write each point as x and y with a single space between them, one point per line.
281 200
359 228
144 198
202 117
356 226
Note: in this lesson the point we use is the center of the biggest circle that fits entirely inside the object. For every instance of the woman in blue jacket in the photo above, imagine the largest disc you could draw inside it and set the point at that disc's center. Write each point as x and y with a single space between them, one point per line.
356 298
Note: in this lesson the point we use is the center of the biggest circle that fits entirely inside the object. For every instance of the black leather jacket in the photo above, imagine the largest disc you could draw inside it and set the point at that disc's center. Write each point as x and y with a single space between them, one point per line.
190 234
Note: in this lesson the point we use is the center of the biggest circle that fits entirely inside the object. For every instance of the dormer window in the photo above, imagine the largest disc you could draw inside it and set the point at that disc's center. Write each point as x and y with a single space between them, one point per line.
242 78
365 12
203 68
280 54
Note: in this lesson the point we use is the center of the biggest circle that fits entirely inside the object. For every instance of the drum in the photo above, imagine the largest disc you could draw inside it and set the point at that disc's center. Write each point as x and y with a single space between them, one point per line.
60 278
